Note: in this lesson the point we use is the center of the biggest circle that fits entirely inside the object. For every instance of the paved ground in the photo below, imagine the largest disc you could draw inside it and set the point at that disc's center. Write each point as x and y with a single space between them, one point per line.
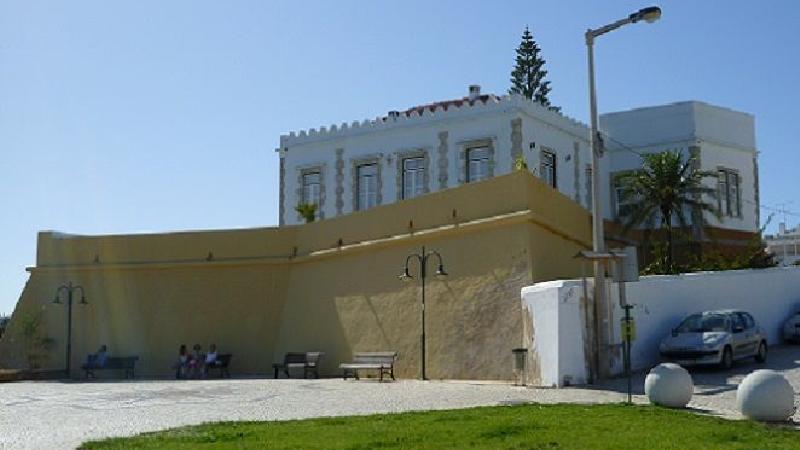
715 390
64 414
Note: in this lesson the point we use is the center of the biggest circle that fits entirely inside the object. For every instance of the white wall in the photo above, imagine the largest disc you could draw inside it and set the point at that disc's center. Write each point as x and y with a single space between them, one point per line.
713 156
726 138
660 303
643 127
681 121
554 308
724 125
390 137
562 142
770 295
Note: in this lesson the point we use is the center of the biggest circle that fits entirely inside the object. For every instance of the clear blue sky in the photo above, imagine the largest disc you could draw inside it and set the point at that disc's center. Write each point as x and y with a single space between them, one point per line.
152 116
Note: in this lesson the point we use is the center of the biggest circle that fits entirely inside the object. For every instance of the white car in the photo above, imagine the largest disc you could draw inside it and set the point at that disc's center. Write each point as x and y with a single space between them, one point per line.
791 328
715 338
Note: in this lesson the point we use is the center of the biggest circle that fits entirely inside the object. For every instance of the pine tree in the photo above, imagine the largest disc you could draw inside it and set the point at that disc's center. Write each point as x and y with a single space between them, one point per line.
527 78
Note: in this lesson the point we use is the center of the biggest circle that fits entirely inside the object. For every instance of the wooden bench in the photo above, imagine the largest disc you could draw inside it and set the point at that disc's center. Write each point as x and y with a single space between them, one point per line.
125 363
222 362
308 361
383 362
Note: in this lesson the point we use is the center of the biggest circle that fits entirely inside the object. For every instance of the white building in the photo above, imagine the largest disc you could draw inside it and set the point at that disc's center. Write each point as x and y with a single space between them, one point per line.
785 245
721 140
350 167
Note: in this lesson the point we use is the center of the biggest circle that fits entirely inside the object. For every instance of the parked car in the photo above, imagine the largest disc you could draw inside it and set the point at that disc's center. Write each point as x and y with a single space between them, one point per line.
791 328
715 338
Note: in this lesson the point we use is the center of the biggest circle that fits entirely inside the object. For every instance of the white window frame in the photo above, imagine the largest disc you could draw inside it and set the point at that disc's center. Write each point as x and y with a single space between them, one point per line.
366 186
548 163
311 190
729 196
617 190
480 170
414 177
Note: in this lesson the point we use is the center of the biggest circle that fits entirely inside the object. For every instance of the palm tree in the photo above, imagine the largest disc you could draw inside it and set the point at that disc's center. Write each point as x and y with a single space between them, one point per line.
666 188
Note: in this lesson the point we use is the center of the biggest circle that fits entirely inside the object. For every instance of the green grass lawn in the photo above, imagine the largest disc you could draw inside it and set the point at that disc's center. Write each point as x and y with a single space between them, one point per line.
504 427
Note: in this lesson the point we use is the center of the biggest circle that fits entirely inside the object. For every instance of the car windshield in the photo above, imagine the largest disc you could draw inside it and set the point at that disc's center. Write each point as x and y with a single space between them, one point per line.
703 323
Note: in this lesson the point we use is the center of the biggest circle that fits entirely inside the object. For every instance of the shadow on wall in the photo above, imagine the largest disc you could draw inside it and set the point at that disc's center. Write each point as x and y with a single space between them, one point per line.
356 303
257 296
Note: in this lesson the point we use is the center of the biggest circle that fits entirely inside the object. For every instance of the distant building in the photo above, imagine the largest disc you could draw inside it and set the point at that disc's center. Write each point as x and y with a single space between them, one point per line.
785 245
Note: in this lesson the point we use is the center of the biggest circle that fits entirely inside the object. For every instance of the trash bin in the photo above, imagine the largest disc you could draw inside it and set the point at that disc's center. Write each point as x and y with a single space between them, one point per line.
520 356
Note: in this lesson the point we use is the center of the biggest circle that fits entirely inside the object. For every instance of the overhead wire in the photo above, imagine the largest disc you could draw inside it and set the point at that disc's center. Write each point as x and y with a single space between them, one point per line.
625 147
605 136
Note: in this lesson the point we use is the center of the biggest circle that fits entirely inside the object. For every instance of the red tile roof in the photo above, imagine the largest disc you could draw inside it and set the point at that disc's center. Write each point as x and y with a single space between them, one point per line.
448 103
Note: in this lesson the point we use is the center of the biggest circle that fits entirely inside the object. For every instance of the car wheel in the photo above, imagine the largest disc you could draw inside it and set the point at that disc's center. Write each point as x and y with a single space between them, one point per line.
727 358
761 356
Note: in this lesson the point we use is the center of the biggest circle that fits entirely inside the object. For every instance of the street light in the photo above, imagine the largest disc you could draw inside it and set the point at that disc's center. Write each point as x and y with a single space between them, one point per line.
422 257
649 15
69 288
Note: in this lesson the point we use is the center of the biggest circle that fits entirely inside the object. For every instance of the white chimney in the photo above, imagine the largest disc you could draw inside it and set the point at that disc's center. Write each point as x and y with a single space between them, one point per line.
474 91
782 228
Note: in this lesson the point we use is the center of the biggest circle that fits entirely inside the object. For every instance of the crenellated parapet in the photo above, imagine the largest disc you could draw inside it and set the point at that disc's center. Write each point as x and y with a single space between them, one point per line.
435 113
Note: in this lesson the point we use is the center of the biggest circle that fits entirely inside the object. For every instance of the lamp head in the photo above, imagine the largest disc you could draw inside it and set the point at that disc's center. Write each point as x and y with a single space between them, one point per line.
405 276
83 300
649 14
440 272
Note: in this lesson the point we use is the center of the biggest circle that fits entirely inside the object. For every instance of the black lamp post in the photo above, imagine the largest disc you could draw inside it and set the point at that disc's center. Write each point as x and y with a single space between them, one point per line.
70 289
422 257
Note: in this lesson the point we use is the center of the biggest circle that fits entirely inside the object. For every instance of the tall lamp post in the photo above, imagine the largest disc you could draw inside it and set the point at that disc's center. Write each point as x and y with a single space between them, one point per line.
70 289
649 15
422 258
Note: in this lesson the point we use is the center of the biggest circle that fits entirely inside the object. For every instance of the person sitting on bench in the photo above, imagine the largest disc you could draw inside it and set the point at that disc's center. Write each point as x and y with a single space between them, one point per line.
181 367
98 360
196 359
211 359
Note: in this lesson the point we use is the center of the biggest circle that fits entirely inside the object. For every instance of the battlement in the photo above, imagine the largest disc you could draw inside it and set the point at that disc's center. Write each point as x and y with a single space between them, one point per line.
434 113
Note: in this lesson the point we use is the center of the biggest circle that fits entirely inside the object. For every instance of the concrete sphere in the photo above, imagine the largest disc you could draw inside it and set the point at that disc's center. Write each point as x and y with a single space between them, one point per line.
669 385
765 395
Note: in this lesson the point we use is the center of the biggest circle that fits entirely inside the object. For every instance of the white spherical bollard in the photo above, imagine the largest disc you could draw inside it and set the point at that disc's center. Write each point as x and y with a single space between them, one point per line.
669 385
765 395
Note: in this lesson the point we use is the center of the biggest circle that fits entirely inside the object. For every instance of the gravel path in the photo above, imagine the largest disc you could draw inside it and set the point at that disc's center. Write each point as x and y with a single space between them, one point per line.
63 414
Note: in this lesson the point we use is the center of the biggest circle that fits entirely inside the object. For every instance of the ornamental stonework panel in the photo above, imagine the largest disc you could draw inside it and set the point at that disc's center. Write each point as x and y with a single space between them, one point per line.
282 193
697 214
757 195
516 141
339 190
443 157
576 160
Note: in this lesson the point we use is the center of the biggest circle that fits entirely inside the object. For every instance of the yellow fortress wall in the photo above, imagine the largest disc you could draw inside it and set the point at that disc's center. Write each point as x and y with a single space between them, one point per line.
330 286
